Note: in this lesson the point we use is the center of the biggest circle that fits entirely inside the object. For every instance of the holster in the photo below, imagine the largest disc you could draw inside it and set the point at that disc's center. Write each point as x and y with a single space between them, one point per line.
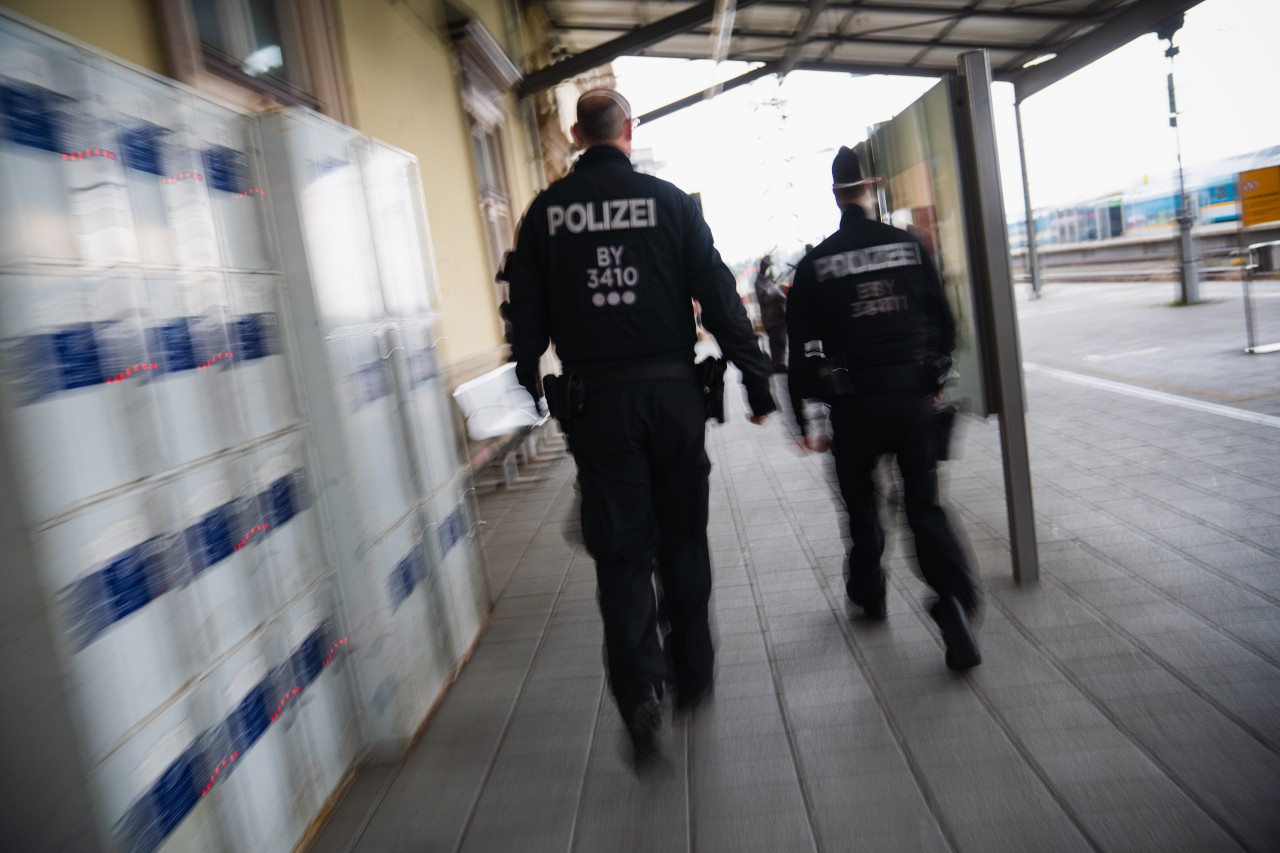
834 382
566 396
944 420
938 371
710 373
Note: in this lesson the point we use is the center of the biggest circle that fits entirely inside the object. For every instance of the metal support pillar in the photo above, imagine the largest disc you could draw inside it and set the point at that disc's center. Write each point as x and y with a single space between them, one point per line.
1190 264
1248 306
1189 293
1033 261
1263 257
1003 354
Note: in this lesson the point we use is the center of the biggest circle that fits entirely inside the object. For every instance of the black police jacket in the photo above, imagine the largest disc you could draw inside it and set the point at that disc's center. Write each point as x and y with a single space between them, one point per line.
606 262
868 298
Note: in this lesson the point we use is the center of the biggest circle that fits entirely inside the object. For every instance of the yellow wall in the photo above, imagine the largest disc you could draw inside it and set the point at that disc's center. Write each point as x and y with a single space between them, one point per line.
403 89
127 28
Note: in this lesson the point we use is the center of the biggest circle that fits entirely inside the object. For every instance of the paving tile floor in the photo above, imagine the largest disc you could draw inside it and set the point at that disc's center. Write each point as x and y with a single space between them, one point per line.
1128 701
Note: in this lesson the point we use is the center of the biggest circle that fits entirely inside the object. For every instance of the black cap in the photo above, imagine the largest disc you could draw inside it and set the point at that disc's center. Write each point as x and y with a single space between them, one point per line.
846 171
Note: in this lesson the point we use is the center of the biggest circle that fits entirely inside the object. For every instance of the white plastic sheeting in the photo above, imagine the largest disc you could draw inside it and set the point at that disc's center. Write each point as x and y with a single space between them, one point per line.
198 340
496 404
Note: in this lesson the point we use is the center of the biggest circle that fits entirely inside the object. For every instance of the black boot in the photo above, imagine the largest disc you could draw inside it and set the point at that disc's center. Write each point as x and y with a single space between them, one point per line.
689 697
957 633
867 595
643 724
873 608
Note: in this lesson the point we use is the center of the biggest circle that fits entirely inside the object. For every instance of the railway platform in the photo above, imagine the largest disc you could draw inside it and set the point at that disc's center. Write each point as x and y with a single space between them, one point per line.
1129 701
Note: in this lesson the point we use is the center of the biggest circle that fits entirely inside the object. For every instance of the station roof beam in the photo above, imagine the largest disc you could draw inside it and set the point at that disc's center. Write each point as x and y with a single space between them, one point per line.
1137 18
896 37
630 40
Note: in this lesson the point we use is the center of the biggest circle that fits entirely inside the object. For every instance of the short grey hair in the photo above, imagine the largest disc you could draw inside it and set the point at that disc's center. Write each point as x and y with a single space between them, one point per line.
602 114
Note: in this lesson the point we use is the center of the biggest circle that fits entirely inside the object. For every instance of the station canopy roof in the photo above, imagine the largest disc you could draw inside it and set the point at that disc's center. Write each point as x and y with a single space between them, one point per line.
1032 43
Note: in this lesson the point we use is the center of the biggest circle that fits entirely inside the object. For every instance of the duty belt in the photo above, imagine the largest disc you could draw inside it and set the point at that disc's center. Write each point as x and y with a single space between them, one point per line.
891 379
605 379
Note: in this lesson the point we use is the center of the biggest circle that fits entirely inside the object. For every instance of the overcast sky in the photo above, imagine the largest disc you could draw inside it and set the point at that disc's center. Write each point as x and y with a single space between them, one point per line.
760 155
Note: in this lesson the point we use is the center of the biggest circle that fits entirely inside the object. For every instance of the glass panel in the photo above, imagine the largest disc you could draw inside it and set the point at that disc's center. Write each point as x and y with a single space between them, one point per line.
266 47
916 152
480 150
266 26
493 143
248 36
209 25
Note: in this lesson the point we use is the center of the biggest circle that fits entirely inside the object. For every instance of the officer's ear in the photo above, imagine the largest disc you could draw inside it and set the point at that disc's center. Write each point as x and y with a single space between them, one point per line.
577 135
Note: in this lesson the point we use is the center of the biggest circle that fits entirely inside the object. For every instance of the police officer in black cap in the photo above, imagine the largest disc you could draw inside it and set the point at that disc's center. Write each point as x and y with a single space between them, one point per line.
606 264
870 317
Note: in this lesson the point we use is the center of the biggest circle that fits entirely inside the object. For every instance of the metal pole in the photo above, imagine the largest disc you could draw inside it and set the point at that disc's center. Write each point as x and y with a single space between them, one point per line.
1033 262
1186 217
985 214
1248 302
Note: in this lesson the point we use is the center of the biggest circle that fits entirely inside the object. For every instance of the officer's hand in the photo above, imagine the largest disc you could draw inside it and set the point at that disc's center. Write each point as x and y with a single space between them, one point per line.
757 419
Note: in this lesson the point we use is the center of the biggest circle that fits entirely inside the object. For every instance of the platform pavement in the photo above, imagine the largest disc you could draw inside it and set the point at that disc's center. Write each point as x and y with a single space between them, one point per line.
1129 701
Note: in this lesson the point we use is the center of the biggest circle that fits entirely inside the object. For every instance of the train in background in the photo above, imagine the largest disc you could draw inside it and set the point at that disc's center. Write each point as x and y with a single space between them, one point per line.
1146 210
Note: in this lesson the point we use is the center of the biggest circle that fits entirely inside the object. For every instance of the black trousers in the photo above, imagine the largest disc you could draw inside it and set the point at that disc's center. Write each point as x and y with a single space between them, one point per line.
644 471
777 345
863 429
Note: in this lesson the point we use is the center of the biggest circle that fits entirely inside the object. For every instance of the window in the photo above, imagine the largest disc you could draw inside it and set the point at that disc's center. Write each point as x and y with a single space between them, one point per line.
495 197
256 53
486 144
487 74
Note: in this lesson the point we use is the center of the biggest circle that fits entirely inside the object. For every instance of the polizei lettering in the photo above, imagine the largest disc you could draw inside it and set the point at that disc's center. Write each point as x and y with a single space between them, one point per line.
867 260
618 214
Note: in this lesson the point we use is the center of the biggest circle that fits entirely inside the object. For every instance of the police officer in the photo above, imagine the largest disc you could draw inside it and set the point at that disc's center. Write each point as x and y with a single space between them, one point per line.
606 264
870 316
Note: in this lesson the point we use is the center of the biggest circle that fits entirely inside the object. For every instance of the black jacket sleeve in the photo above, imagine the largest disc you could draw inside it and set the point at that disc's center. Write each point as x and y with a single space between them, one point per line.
713 286
802 327
528 301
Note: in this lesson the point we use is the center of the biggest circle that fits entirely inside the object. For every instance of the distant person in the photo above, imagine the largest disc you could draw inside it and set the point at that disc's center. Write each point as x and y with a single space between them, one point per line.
608 262
773 314
869 313
791 270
